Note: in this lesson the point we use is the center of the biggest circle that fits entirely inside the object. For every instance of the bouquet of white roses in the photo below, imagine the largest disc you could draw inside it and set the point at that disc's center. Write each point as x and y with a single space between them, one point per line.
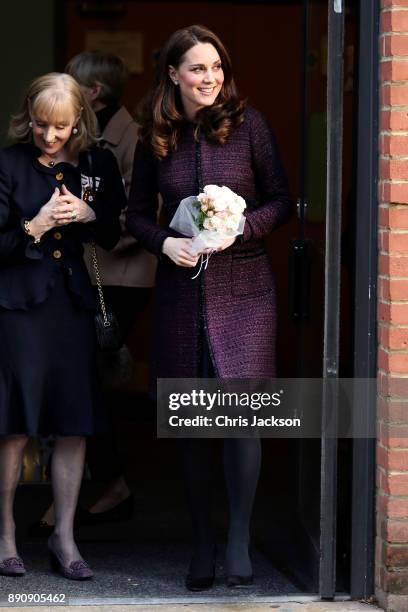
210 218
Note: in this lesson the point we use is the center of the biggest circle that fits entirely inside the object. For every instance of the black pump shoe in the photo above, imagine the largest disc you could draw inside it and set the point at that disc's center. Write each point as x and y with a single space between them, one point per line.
121 512
235 581
201 583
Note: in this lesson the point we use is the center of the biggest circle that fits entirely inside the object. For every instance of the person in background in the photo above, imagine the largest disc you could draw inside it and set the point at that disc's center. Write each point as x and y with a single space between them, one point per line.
48 383
127 271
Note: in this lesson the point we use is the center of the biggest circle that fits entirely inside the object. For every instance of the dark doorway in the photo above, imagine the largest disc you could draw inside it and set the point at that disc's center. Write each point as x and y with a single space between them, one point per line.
282 67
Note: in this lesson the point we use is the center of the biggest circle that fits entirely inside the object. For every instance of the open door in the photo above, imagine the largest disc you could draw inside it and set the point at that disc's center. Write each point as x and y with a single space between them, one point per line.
316 273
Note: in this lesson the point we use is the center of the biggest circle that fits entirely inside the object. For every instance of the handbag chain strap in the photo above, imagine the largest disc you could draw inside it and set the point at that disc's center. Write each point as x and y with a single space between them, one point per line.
106 322
95 264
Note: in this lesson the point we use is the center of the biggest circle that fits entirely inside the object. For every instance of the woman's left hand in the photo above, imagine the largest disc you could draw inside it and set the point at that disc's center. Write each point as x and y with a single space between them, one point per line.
70 209
227 243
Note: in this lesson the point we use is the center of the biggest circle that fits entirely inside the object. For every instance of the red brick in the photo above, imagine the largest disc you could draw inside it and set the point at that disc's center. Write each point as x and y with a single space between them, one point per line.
394 193
393 313
392 459
393 289
394 21
394 242
379 545
393 362
394 218
397 582
395 555
382 481
393 145
394 436
394 531
393 338
394 95
394 45
395 120
392 410
393 265
394 70
393 507
393 388
380 577
383 289
384 169
398 484
397 507
398 169
388 3
398 290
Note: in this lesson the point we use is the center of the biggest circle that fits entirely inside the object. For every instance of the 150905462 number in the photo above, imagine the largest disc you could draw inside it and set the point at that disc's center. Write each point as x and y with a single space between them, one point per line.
36 598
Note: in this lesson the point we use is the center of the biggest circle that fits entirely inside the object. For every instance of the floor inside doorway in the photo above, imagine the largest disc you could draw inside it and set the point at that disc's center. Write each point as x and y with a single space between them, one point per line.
146 558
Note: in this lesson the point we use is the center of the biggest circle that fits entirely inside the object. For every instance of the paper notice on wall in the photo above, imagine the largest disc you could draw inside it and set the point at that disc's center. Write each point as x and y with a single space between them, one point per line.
338 6
127 44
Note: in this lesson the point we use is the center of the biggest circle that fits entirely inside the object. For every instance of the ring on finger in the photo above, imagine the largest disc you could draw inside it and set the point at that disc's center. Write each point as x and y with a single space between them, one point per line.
74 215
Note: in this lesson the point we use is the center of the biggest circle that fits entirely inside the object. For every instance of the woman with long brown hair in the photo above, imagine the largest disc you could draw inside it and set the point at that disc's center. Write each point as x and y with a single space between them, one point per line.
198 131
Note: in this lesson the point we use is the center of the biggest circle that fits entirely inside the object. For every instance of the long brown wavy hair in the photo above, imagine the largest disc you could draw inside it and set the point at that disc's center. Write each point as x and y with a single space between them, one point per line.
161 113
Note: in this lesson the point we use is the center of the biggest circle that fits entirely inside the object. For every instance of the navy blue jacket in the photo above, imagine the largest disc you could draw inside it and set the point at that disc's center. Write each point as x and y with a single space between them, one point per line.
28 271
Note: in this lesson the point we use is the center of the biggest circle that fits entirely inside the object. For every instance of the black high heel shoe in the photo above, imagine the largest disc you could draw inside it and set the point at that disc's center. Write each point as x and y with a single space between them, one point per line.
201 583
235 581
123 511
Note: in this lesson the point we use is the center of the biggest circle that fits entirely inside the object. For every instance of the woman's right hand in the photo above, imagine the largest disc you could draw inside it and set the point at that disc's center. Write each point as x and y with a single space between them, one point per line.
179 250
47 217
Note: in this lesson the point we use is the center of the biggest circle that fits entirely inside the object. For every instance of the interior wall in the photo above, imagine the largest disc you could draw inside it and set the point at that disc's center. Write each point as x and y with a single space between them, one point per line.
27 49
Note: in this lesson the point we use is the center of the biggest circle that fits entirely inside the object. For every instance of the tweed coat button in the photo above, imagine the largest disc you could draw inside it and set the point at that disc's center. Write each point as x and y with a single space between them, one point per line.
57 254
59 176
57 235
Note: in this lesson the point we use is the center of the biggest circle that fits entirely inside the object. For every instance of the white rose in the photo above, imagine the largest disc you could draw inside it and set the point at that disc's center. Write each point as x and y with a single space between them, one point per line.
232 222
212 191
207 224
241 202
237 205
220 204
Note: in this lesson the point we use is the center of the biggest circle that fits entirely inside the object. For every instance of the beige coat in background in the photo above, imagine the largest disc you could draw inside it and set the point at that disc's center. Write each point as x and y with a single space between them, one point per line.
127 265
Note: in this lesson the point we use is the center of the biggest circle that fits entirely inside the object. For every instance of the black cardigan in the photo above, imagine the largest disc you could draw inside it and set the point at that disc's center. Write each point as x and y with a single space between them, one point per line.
27 270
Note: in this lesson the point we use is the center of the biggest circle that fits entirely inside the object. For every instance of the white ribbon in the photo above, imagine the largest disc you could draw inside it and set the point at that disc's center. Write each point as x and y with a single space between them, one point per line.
201 264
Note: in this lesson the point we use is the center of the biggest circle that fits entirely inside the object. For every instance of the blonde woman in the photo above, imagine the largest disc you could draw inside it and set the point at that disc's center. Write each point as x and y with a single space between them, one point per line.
47 361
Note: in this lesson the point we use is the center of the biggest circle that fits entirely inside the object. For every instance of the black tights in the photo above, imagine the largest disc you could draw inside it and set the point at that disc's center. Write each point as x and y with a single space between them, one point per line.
242 460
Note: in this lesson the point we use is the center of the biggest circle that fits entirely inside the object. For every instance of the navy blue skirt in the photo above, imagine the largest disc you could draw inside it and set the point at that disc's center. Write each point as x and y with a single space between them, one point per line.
48 381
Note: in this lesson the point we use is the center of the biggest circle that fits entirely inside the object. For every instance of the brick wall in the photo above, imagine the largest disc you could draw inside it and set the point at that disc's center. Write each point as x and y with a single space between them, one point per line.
392 451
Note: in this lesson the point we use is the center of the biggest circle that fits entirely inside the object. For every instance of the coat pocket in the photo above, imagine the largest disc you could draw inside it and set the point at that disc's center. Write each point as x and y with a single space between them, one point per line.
251 273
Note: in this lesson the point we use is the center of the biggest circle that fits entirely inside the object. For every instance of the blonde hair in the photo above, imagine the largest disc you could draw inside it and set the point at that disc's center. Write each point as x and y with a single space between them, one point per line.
56 97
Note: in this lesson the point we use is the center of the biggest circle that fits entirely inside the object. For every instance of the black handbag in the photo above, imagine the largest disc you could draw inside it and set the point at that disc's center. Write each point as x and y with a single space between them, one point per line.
108 333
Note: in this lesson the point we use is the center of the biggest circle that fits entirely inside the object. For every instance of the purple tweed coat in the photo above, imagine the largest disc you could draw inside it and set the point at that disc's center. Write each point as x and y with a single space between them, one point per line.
234 299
